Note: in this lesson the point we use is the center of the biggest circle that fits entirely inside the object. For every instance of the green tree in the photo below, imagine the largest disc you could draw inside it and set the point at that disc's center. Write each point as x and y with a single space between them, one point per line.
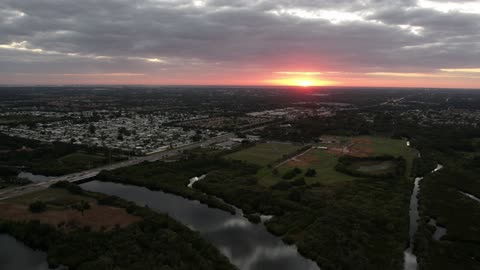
37 207
311 173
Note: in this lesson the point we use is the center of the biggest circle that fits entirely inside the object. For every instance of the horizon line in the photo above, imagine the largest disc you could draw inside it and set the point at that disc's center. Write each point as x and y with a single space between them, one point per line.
231 86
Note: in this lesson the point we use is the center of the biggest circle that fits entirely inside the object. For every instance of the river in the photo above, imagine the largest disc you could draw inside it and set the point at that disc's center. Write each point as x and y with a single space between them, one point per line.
410 261
36 178
14 255
248 246
439 230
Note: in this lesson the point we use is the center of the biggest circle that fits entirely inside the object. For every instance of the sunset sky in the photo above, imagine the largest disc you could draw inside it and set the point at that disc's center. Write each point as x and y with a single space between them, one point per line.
397 43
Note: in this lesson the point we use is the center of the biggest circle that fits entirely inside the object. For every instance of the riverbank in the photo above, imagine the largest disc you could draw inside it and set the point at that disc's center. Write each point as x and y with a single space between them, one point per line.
14 255
153 239
248 246
306 215
411 262
448 235
173 177
302 214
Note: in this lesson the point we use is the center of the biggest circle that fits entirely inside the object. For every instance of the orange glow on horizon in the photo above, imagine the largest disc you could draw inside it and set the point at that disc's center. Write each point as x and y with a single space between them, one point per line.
305 83
302 82
300 78
304 79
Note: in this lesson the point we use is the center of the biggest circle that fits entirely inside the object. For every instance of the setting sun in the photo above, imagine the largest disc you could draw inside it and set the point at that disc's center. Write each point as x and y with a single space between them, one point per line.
305 83
302 82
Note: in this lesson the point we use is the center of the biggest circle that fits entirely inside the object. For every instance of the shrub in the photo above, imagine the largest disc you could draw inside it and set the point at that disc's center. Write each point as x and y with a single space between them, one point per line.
299 182
81 206
282 185
255 219
295 195
288 175
37 207
311 173
292 173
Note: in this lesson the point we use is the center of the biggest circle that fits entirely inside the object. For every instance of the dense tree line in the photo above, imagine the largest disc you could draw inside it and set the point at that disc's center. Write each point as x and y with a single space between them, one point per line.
311 128
156 242
455 147
43 158
9 177
362 224
441 199
356 225
173 177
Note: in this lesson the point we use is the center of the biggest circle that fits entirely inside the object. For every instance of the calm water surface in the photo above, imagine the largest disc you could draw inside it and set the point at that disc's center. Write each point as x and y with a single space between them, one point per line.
248 246
14 255
410 260
36 178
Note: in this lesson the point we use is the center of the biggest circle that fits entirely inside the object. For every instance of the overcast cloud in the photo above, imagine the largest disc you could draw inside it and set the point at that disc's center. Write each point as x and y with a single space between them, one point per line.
168 40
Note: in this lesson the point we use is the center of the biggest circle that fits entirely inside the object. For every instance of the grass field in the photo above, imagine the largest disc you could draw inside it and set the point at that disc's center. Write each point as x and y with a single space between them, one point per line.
59 210
265 153
324 161
55 197
386 146
320 160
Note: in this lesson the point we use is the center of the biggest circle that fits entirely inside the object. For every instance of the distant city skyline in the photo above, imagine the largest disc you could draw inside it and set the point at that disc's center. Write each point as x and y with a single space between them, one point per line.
401 43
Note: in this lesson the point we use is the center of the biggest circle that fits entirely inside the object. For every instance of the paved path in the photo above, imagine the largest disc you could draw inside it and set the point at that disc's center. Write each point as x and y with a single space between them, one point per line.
293 158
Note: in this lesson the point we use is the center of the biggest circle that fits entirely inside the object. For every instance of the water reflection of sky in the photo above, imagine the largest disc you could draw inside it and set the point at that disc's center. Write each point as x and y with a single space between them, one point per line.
248 246
16 256
36 178
410 260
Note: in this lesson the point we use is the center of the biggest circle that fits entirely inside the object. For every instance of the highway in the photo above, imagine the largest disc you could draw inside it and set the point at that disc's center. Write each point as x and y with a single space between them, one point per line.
79 176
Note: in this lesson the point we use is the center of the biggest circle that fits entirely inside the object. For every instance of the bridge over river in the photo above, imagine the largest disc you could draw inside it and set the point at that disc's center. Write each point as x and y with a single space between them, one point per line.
80 176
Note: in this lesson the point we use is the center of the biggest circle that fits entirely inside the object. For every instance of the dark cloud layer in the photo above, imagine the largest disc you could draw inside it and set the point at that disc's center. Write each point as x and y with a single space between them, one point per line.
182 36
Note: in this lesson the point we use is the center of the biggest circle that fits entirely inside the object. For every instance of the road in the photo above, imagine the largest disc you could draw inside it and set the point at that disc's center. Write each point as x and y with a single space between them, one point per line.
79 176
393 101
